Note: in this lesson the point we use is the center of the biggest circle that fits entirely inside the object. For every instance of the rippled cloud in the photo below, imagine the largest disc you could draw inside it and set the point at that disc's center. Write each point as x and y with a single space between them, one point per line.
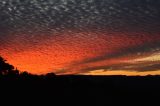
76 36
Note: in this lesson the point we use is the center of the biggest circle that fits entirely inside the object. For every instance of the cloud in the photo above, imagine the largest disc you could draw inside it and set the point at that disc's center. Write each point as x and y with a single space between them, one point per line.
138 66
77 32
128 67
127 59
52 15
131 50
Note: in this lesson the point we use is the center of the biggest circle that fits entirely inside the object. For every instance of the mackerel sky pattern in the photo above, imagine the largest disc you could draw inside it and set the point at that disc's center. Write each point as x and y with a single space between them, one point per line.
78 36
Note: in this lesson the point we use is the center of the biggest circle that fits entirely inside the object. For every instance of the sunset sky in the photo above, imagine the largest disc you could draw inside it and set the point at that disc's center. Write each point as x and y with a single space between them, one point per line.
91 37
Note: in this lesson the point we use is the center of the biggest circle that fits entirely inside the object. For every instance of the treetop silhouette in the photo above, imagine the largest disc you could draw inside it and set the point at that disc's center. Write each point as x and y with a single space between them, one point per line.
6 68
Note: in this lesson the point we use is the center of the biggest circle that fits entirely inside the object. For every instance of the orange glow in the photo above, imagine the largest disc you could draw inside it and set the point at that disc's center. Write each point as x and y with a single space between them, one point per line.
54 55
121 72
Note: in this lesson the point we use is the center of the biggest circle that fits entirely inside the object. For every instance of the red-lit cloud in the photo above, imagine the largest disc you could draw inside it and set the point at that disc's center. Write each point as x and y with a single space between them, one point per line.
76 52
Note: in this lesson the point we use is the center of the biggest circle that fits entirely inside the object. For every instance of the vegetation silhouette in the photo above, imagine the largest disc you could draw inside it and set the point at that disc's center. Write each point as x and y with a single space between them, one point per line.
92 89
7 70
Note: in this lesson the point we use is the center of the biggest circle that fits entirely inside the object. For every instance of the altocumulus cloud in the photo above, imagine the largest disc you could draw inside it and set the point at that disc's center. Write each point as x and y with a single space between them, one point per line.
75 36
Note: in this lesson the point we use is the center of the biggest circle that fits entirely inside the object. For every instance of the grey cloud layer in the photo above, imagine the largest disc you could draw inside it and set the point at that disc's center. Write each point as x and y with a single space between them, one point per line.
49 17
55 15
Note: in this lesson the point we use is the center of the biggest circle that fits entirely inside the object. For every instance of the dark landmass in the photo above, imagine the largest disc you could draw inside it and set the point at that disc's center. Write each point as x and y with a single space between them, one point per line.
77 89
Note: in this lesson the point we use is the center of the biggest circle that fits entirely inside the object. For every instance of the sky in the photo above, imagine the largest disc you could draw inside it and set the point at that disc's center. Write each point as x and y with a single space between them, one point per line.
88 37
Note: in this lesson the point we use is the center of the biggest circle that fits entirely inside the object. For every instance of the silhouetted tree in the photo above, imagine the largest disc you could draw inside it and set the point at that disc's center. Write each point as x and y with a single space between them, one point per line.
6 68
25 74
50 75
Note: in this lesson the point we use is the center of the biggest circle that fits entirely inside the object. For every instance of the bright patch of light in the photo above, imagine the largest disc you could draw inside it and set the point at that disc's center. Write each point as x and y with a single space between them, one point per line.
153 57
